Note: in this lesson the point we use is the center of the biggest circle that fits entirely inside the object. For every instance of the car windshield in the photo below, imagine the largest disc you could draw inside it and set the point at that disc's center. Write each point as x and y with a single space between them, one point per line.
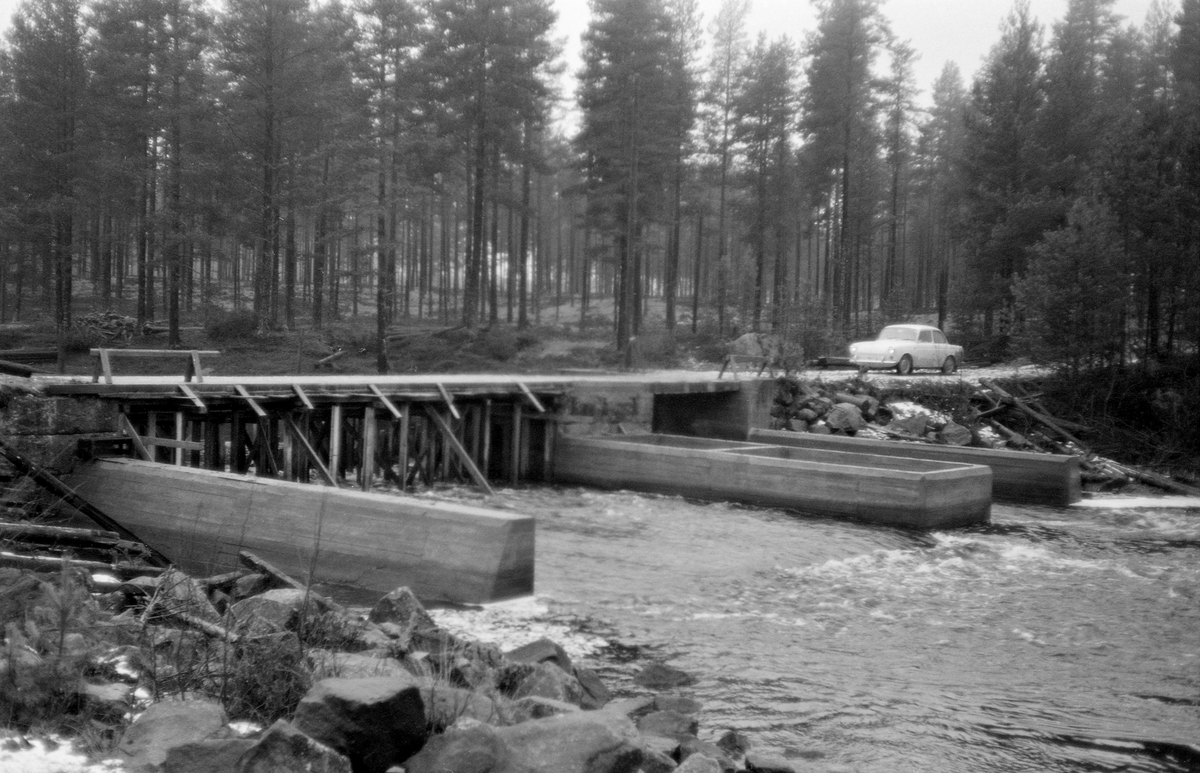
897 334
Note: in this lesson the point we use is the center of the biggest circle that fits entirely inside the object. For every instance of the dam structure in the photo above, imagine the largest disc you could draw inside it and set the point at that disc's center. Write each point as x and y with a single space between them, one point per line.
321 475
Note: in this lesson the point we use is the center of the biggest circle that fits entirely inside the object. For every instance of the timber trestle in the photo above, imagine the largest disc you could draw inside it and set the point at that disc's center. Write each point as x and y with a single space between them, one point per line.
364 435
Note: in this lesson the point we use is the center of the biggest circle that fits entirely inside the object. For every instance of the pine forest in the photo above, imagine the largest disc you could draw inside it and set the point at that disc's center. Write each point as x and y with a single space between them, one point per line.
306 162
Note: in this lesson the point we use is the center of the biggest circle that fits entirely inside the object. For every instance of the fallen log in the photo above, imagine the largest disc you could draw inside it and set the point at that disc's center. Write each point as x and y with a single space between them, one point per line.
66 494
1037 416
1154 479
42 563
41 534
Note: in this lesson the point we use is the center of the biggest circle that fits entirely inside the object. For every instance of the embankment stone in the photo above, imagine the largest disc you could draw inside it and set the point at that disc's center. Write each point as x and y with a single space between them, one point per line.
376 723
164 726
284 749
660 676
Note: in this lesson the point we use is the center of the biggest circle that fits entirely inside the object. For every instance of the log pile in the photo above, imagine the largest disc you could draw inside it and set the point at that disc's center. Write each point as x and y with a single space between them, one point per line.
990 415
107 326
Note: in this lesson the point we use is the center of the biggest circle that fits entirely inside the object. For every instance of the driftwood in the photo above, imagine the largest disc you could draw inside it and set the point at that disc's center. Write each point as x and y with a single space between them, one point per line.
1037 416
41 534
68 495
1098 466
42 563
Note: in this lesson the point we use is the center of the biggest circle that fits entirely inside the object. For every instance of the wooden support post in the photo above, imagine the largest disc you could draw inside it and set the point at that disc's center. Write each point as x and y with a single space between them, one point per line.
485 459
313 456
369 437
180 428
152 432
449 401
335 441
128 428
289 455
402 449
254 406
238 461
196 430
515 472
386 402
212 444
304 424
452 441
196 401
532 398
308 406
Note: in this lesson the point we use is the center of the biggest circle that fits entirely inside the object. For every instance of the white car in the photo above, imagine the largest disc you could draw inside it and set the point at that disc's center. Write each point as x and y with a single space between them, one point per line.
905 347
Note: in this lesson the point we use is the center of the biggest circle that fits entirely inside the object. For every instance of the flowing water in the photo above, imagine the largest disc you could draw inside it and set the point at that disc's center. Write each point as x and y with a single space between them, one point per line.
1055 639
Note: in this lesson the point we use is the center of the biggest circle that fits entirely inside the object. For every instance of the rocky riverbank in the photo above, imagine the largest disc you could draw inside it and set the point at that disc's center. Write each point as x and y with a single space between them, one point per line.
245 672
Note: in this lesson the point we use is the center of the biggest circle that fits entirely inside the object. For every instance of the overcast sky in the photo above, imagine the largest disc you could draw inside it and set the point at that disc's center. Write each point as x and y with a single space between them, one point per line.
941 30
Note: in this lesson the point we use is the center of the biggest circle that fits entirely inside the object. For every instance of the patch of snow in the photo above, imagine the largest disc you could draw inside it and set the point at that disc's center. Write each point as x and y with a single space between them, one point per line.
515 623
50 755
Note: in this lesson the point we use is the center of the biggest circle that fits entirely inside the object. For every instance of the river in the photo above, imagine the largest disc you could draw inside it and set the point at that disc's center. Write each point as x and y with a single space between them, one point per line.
1054 639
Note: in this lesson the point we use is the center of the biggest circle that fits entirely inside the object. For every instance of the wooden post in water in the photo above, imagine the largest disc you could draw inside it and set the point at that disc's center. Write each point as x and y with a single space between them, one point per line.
367 467
335 441
515 473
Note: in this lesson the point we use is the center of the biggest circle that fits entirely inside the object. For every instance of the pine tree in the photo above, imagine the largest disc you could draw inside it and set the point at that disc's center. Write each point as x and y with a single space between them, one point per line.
1071 299
764 114
625 95
49 88
728 54
1006 211
488 62
839 122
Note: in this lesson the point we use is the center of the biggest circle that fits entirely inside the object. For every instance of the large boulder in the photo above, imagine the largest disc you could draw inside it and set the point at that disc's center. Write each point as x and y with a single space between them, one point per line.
699 763
257 615
955 434
162 727
176 592
694 746
660 676
473 748
284 749
446 706
401 607
579 742
550 681
845 417
912 425
212 756
584 742
375 722
541 651
595 693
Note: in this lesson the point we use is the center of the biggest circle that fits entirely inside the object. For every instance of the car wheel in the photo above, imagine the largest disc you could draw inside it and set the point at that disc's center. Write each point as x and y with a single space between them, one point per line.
949 366
904 367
